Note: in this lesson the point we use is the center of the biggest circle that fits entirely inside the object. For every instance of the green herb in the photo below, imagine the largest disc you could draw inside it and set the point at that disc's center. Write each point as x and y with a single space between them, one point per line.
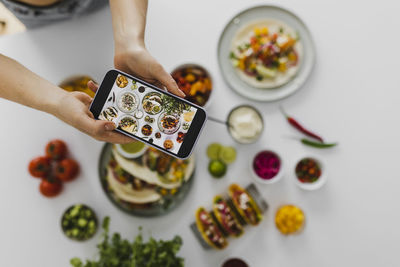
232 55
281 30
275 63
317 144
174 106
118 252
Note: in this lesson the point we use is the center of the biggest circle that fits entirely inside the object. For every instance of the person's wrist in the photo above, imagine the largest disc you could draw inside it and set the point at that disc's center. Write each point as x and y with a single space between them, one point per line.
128 51
129 44
54 102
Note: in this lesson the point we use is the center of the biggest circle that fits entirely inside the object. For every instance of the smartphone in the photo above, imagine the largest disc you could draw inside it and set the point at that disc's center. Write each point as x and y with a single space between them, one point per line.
149 114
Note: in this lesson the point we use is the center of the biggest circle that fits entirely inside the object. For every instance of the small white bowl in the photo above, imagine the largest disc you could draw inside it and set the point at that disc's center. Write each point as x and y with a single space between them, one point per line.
130 155
274 179
321 180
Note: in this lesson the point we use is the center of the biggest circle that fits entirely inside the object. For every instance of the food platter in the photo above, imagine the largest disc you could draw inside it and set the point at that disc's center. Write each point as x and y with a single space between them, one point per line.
161 195
285 86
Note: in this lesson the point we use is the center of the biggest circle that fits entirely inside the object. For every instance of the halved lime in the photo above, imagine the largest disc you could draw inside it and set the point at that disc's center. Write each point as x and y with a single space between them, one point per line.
213 150
217 168
227 154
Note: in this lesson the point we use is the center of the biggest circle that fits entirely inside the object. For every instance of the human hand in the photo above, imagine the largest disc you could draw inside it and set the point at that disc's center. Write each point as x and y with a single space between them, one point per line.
138 62
73 108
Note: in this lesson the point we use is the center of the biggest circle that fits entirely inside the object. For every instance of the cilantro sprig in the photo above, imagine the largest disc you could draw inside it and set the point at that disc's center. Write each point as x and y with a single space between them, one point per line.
119 252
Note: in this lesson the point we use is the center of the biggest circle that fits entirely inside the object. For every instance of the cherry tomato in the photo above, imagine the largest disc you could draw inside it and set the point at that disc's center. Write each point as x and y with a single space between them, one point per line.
39 166
67 170
56 149
50 188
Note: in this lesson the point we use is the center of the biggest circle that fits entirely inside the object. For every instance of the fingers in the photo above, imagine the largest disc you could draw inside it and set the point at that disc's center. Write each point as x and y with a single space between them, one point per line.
102 130
166 79
92 86
83 97
116 138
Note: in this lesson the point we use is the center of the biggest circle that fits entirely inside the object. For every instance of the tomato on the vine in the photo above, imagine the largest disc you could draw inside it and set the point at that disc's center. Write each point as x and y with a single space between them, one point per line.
50 188
56 149
39 166
67 170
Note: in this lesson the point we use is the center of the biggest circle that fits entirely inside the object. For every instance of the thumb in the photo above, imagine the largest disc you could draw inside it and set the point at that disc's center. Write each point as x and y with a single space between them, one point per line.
108 125
166 79
98 127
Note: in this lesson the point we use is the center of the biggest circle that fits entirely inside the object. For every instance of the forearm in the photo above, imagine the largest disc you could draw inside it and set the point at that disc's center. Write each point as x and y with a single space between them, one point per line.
129 22
20 85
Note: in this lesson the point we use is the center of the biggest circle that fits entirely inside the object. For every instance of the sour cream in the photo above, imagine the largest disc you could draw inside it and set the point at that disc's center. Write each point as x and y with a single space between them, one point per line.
245 124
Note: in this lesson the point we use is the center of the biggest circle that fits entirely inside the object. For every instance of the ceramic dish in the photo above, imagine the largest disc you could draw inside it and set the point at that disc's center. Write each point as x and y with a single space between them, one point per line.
318 183
198 82
169 123
129 155
79 222
77 83
155 203
128 101
251 15
274 177
245 117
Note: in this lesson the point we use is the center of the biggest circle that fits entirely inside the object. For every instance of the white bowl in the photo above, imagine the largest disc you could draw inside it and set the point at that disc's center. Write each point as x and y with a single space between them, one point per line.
130 155
274 179
321 180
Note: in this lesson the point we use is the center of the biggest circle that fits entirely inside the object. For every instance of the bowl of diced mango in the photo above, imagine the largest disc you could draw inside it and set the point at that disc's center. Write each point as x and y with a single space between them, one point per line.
289 219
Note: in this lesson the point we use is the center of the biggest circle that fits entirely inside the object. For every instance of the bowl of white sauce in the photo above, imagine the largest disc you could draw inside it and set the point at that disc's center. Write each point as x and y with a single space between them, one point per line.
245 124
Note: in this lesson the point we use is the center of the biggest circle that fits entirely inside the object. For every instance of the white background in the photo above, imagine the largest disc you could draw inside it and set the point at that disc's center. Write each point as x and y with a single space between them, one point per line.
351 97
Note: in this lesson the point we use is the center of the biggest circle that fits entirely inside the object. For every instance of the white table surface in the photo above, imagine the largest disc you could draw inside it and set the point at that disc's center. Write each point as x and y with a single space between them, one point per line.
352 97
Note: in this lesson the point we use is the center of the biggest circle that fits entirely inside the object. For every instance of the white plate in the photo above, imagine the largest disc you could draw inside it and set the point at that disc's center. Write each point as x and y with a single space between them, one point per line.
257 13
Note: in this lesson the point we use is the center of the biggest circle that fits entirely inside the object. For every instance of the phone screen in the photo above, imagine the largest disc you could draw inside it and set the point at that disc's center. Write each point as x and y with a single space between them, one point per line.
149 114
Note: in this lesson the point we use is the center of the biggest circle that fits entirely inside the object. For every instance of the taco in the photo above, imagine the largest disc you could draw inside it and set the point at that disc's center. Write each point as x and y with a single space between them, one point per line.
245 205
226 218
165 173
209 229
128 188
266 53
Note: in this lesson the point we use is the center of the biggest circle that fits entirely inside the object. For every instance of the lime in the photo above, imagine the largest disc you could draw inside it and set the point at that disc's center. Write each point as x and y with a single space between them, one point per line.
227 154
213 150
217 168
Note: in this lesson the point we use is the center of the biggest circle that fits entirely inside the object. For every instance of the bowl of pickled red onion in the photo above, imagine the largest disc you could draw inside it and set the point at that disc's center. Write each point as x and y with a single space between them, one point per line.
267 167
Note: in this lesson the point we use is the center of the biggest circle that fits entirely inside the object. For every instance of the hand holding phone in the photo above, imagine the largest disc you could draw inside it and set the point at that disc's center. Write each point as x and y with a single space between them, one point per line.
149 114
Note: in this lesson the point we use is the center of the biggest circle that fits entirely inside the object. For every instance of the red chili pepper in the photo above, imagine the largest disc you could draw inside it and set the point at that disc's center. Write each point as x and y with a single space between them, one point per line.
300 127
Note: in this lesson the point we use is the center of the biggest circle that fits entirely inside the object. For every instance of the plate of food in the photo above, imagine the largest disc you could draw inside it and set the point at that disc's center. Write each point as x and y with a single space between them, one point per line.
151 184
266 53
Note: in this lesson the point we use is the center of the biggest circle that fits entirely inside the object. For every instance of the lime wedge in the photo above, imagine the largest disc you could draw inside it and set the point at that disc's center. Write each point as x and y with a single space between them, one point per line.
217 168
213 151
227 154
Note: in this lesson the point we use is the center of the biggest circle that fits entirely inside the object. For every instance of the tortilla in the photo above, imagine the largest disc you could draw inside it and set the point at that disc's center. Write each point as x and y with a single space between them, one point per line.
229 229
151 177
256 210
243 35
200 227
126 193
